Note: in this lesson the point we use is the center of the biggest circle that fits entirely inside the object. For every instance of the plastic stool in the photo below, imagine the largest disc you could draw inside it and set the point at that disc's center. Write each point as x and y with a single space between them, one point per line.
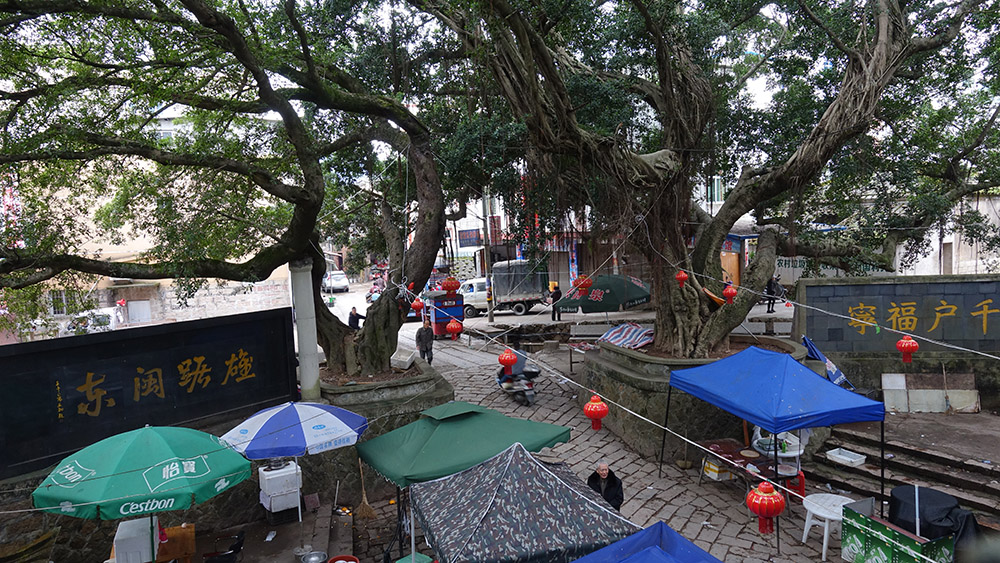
797 484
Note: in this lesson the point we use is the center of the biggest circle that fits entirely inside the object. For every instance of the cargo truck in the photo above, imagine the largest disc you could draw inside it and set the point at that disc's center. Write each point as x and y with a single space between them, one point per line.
517 285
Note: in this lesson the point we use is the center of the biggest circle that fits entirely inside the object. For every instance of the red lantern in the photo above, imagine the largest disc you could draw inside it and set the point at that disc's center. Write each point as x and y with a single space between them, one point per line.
507 359
681 277
451 285
417 305
582 284
767 504
595 410
453 327
729 293
907 346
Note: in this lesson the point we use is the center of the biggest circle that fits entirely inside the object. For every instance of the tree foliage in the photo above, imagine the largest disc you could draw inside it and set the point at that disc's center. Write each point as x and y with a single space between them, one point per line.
881 116
277 107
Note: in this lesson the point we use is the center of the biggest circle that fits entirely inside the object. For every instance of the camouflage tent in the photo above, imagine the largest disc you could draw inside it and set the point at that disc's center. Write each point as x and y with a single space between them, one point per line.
513 507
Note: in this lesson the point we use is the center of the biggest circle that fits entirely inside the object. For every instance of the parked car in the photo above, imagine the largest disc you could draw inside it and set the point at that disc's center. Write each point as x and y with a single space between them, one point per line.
335 281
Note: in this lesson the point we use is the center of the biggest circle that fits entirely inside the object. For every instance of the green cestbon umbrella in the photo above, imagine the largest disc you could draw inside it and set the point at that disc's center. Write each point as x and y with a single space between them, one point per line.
607 294
138 473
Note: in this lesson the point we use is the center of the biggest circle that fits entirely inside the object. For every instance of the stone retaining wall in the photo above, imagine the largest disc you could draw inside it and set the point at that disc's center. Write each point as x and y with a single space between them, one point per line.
641 381
386 405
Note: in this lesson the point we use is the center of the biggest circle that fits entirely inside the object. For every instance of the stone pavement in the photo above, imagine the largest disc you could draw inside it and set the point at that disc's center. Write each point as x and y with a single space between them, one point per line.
712 514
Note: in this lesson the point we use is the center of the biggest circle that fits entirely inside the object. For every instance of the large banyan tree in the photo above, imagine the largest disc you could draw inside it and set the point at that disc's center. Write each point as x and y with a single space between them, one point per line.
278 106
877 113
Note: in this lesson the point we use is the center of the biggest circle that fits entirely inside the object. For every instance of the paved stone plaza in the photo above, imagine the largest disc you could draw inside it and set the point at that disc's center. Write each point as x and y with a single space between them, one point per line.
712 514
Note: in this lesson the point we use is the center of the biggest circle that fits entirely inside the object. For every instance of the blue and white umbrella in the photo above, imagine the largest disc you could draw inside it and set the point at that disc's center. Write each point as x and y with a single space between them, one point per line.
296 429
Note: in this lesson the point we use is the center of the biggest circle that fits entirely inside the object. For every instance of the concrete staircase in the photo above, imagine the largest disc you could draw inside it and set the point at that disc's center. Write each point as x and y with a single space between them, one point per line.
975 484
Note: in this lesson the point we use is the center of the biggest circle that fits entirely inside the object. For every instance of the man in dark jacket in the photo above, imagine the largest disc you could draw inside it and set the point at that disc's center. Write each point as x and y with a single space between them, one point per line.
354 319
555 296
425 342
605 482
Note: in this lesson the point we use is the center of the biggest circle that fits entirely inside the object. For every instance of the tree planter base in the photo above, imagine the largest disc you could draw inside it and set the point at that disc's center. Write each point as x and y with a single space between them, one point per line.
641 382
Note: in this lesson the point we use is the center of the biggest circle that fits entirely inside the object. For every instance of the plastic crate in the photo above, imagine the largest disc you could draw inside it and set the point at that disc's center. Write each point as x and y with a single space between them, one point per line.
846 457
282 516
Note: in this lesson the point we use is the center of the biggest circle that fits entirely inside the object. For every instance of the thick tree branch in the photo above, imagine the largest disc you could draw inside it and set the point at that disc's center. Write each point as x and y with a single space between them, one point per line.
834 38
31 268
950 32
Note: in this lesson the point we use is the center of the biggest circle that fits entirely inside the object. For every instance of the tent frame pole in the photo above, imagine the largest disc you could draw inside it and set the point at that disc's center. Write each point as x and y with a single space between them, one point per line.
881 500
777 477
663 440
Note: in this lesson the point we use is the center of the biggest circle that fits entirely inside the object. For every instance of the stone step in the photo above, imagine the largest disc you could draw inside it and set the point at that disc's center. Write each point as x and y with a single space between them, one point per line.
847 435
903 461
864 479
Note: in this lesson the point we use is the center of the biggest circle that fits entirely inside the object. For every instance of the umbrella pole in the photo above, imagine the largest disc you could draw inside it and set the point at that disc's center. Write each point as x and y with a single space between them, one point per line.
413 538
302 535
152 538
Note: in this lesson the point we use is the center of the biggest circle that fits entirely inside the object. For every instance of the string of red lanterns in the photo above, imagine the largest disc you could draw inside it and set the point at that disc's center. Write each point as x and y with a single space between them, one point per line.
907 346
451 285
454 328
681 277
595 410
729 293
582 284
507 359
767 504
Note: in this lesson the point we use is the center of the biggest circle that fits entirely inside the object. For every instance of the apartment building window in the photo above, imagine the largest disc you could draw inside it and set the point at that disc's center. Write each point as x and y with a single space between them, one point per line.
60 301
714 190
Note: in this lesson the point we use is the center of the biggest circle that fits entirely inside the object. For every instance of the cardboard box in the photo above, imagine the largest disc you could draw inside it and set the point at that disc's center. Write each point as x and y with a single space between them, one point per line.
715 471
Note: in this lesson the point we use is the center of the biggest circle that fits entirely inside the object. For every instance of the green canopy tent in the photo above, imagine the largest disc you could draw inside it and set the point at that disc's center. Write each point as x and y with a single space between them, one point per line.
608 293
450 438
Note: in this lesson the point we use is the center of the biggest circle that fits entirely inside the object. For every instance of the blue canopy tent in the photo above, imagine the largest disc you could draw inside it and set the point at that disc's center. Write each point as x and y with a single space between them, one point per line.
777 393
658 543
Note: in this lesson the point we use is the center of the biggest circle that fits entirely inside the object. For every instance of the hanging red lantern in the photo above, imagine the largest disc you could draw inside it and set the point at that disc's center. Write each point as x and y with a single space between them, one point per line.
767 504
907 346
453 327
681 277
729 293
595 410
582 284
507 359
417 305
451 285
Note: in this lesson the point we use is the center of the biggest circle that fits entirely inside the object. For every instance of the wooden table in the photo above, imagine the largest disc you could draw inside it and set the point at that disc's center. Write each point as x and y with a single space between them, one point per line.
728 450
180 545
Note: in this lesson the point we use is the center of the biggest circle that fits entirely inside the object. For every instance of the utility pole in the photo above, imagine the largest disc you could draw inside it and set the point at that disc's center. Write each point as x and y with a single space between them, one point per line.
487 256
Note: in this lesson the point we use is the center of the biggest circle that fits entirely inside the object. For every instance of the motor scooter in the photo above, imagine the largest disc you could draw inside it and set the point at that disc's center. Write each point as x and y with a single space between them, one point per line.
520 383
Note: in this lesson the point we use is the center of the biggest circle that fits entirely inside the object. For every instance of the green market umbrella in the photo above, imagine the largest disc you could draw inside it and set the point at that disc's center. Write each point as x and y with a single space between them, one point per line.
607 294
451 437
152 469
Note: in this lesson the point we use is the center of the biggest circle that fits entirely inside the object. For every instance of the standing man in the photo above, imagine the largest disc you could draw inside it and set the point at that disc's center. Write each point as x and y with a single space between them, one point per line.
353 318
772 290
555 296
425 341
605 482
